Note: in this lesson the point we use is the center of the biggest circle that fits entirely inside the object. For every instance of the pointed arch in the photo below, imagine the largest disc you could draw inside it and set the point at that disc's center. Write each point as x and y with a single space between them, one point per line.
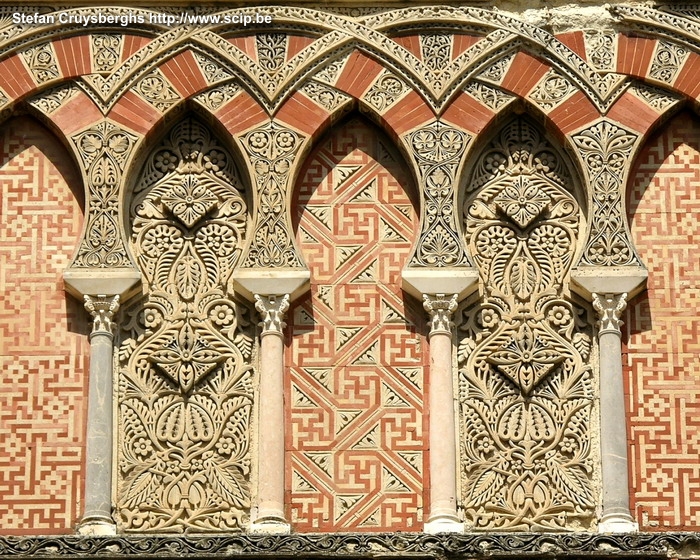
356 350
43 334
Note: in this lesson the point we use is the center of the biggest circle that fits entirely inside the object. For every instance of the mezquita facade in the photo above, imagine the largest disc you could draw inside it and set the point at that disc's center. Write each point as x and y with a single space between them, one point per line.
350 279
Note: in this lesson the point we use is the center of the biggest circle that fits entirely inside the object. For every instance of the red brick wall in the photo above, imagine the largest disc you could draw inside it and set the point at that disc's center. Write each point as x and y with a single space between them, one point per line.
43 344
662 365
355 442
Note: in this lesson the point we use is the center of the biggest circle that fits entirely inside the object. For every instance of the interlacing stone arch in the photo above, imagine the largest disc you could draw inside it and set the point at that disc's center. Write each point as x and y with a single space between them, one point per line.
186 350
525 379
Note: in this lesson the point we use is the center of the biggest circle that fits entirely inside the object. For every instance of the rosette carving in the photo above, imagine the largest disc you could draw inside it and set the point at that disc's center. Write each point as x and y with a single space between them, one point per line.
185 388
526 387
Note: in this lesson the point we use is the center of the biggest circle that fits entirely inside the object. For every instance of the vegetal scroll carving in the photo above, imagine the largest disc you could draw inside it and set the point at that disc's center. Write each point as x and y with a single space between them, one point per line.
526 389
185 379
272 149
104 151
437 150
606 149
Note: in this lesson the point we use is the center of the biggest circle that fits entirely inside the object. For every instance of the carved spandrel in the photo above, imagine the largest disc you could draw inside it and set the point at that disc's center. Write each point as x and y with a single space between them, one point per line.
605 150
437 150
272 150
104 150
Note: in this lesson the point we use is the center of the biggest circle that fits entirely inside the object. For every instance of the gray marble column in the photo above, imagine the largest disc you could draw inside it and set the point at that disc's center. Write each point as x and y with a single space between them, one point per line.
268 516
616 517
442 514
97 519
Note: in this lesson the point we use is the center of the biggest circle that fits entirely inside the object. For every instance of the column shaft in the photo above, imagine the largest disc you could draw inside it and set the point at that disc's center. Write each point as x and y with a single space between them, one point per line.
442 515
97 518
616 515
270 516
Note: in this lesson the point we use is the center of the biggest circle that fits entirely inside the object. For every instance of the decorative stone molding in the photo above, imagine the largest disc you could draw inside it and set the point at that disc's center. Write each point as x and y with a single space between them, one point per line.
362 545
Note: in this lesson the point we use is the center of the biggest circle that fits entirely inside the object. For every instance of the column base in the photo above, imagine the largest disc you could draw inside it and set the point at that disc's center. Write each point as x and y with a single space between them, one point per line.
97 528
270 527
618 525
442 525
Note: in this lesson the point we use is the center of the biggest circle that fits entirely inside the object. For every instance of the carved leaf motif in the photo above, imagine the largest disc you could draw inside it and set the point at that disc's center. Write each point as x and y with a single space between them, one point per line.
523 277
483 484
188 274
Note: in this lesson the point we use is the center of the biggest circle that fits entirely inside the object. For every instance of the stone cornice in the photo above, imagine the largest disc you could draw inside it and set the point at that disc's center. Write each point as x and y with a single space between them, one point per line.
363 545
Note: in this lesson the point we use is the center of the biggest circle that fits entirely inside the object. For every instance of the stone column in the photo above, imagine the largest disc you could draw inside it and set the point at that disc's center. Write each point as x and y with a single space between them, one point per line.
616 517
269 517
97 519
442 517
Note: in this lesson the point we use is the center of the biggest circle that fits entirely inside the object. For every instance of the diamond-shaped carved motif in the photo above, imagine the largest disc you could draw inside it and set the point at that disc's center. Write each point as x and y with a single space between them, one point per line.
522 201
189 201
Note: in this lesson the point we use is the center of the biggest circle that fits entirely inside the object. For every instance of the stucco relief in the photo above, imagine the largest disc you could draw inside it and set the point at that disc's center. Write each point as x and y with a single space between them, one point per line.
525 381
185 373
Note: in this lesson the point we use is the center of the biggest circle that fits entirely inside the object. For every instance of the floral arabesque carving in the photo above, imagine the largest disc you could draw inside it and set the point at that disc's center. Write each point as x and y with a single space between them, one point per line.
606 150
525 384
104 151
437 150
272 150
185 374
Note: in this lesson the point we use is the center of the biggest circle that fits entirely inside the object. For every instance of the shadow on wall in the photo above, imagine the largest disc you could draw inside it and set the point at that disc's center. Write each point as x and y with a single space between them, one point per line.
662 330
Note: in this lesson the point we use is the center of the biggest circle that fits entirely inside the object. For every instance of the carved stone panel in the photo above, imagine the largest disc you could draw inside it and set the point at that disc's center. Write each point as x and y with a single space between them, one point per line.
185 374
525 381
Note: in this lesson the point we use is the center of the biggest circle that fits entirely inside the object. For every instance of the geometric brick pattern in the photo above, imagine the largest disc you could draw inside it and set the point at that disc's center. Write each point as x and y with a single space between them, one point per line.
662 365
43 343
356 353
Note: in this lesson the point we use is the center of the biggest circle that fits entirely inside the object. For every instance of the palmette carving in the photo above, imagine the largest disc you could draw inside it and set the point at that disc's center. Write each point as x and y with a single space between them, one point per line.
605 149
437 150
185 379
104 150
525 385
272 149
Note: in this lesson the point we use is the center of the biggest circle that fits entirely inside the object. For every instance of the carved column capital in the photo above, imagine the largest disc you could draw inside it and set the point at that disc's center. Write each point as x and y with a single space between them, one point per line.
609 308
102 308
272 309
440 307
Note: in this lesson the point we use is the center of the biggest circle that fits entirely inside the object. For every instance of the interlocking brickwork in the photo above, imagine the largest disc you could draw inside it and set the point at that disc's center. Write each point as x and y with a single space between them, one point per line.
663 361
355 441
43 347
